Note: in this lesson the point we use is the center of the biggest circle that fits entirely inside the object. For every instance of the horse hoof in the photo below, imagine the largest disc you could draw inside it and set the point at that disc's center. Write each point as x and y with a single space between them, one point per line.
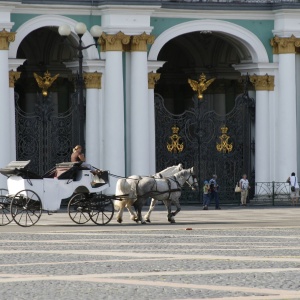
148 221
133 218
119 221
143 223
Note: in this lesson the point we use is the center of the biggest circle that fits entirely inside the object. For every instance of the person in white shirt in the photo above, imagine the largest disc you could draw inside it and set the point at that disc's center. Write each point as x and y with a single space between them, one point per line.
293 181
244 185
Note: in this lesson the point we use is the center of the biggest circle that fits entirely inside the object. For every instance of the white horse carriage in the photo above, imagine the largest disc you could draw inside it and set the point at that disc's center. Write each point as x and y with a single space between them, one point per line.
29 194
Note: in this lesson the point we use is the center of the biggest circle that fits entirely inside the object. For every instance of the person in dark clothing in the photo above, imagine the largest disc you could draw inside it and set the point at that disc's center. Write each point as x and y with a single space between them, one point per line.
214 194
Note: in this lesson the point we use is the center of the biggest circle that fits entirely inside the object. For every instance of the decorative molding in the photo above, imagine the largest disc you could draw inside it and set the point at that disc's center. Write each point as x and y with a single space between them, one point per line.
284 45
92 80
262 82
52 21
139 42
6 37
114 42
13 77
254 45
152 79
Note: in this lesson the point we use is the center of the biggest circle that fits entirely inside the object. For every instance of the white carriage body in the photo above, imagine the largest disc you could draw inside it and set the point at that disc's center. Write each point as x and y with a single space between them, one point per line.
52 190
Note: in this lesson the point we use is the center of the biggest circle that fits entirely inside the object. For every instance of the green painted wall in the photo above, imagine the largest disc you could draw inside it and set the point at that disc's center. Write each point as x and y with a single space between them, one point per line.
261 28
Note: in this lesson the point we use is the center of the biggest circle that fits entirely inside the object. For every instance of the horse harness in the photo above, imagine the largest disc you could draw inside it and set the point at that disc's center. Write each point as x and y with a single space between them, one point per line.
168 180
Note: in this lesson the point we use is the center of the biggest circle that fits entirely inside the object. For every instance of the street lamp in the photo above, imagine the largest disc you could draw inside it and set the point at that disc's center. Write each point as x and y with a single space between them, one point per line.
80 29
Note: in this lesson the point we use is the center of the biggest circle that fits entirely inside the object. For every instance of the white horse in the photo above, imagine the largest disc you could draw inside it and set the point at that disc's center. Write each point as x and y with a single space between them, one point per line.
167 189
126 186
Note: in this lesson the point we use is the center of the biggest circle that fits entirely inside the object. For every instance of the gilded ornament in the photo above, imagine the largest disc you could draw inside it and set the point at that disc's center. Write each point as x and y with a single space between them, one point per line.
92 80
13 77
262 82
152 79
6 37
224 146
113 42
284 45
200 86
175 145
45 82
139 42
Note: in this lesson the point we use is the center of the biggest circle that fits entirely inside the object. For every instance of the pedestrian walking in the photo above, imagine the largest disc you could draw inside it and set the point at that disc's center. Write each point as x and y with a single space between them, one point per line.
293 181
214 191
244 185
206 198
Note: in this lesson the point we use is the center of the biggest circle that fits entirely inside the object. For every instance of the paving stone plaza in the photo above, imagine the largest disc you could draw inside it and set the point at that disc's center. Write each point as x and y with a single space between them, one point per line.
233 253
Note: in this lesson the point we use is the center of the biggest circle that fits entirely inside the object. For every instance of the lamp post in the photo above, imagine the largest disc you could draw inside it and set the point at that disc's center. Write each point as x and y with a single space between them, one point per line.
80 29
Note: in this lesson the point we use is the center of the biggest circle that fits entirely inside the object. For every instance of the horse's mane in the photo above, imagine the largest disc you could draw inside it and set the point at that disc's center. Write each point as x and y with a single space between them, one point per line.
179 166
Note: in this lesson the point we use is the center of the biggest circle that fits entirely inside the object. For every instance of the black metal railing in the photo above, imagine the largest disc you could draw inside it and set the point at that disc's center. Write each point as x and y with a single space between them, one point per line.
261 193
271 193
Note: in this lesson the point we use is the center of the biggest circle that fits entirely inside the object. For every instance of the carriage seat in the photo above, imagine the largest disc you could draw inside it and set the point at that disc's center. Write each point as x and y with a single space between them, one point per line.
19 168
67 170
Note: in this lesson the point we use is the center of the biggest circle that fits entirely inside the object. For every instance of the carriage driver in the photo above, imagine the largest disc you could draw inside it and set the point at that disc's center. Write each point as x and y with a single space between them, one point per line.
78 156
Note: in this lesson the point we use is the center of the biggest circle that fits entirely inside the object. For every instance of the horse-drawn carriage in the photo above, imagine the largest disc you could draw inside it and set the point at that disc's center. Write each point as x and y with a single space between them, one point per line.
29 194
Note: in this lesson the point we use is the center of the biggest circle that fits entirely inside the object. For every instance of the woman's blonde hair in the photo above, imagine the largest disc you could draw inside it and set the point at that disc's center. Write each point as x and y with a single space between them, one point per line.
76 148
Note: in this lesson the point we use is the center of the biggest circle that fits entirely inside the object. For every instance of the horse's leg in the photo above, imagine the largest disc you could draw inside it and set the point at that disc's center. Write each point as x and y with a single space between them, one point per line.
168 205
178 208
121 205
152 205
132 213
139 205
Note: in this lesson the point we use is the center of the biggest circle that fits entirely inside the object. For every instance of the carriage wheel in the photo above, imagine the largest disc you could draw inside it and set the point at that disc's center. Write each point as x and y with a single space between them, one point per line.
102 210
26 208
5 216
78 209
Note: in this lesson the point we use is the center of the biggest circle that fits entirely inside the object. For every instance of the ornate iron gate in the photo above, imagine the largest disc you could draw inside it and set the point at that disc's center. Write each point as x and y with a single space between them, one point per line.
45 136
214 144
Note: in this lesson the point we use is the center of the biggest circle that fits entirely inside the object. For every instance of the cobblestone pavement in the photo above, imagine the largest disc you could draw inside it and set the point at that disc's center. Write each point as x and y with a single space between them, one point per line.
234 253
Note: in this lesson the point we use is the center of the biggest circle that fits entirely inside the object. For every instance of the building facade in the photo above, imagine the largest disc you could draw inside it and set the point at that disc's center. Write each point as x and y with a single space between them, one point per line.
146 54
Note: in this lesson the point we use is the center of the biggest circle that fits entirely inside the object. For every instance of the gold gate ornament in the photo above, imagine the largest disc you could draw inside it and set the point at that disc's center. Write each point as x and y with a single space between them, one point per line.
224 146
175 145
200 86
45 82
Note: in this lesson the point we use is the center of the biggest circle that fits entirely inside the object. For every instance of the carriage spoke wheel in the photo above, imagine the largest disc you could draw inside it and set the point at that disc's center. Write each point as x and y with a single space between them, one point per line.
5 216
102 210
78 209
26 208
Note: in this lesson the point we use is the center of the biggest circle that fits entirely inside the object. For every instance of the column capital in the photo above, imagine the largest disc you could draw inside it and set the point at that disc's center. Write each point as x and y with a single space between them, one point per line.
5 38
13 77
284 45
262 82
92 80
139 42
114 42
152 79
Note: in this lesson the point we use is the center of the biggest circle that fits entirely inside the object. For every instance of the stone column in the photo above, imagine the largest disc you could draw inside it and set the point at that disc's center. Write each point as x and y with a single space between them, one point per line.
114 127
92 84
13 77
286 118
152 79
139 105
5 121
262 84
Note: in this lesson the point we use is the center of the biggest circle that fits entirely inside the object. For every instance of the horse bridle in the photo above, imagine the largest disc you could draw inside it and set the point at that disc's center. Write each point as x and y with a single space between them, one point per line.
194 185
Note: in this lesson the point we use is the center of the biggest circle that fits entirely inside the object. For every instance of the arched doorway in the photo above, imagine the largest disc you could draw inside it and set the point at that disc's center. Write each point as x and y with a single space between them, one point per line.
216 133
46 127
